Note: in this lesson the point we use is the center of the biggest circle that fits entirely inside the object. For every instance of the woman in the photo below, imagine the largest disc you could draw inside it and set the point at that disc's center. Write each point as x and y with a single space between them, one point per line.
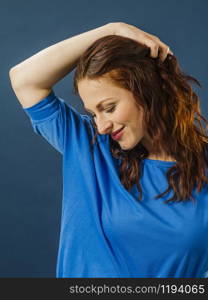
134 202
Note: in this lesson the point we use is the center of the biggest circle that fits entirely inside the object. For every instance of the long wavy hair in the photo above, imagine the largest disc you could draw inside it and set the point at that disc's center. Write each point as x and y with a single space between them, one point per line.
171 111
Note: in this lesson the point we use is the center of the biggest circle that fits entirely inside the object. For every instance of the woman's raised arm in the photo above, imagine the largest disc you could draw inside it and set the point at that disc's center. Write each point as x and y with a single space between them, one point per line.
33 79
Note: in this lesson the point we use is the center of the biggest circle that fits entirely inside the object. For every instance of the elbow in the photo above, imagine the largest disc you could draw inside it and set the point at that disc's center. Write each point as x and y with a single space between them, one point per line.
14 77
12 73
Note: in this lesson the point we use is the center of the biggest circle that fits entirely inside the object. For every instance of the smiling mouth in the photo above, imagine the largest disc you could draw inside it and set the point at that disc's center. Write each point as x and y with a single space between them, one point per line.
117 131
118 135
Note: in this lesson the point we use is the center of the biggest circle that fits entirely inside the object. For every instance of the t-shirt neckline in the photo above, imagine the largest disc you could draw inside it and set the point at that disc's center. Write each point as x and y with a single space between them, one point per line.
158 162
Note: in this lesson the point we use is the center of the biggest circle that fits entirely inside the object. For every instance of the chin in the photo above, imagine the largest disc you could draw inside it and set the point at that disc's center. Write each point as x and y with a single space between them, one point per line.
126 147
130 146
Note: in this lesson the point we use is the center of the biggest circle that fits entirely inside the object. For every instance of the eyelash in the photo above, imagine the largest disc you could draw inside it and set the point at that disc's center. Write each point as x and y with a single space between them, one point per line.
108 111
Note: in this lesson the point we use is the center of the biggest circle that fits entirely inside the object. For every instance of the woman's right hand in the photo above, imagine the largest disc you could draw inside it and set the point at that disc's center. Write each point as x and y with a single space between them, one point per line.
154 43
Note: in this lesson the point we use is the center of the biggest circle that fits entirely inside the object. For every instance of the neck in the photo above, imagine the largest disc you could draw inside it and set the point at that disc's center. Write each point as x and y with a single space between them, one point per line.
160 157
160 154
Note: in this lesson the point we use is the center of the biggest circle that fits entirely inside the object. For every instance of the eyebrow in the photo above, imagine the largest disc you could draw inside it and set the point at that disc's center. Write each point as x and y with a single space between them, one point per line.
99 105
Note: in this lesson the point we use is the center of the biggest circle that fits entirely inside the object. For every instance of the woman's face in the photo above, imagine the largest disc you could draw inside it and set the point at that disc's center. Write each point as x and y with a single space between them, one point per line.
114 113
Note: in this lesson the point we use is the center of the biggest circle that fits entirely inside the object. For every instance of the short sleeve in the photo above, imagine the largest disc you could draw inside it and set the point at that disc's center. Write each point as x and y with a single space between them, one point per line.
52 116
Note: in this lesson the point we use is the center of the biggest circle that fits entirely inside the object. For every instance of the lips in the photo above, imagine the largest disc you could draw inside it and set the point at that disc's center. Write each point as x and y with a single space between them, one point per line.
117 134
117 131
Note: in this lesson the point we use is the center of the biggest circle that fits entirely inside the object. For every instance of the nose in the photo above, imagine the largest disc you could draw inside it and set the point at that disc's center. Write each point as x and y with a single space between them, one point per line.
104 127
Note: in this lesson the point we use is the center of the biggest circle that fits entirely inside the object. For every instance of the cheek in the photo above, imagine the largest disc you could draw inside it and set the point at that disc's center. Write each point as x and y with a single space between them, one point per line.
121 117
137 120
125 115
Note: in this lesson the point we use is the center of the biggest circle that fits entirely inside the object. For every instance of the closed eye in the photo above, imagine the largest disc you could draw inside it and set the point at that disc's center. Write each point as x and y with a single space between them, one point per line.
111 109
107 110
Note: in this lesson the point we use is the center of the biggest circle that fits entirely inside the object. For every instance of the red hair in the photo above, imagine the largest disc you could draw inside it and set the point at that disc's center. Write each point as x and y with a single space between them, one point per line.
171 111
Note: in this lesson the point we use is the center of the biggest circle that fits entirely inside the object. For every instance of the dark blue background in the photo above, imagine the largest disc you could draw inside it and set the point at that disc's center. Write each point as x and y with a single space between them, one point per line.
31 172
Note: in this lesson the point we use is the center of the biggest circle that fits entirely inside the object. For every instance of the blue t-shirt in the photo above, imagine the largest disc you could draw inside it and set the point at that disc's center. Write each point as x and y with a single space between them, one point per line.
105 230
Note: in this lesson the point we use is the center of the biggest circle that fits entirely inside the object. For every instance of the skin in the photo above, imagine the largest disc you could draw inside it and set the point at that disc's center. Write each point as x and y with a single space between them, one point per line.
115 113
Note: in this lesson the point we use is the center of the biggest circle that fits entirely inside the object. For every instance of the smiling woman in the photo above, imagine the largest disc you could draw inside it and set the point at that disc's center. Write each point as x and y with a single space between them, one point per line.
117 192
122 113
156 106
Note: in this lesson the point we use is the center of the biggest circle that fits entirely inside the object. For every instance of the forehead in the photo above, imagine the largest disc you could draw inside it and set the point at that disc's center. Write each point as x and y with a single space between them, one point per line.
94 91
